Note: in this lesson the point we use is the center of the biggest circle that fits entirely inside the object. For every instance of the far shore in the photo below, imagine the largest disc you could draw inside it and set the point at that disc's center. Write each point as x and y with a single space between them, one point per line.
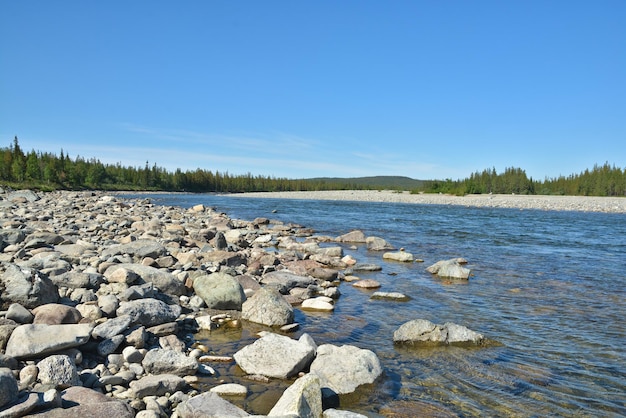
540 202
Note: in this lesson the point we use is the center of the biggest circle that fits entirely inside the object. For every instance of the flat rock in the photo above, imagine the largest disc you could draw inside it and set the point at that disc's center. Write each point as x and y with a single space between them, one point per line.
31 340
286 280
367 284
275 355
209 405
157 385
423 331
401 256
396 296
230 389
317 304
149 312
165 361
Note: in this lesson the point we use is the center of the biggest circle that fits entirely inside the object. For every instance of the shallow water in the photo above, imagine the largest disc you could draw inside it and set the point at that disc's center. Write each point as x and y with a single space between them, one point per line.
548 286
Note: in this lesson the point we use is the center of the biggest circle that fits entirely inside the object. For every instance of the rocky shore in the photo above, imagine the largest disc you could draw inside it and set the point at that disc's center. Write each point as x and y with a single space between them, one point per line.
540 202
101 299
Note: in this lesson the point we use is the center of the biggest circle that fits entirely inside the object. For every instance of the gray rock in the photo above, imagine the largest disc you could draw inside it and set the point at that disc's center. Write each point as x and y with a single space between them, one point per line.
163 280
12 236
352 236
19 314
209 405
423 331
365 267
78 280
275 355
8 387
58 370
110 345
26 195
32 341
268 307
5 332
344 368
286 280
140 248
149 312
219 291
401 256
112 408
112 327
7 362
164 361
108 304
397 296
303 399
378 244
157 385
230 389
28 287
450 269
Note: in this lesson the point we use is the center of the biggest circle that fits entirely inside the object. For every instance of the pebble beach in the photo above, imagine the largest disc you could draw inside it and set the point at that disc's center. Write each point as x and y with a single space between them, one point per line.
540 202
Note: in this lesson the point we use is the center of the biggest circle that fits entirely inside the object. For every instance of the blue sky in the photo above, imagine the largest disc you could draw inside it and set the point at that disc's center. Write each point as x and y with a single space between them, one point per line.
424 89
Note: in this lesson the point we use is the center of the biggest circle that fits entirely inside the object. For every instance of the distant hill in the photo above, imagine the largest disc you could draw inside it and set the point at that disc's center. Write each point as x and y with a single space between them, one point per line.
375 182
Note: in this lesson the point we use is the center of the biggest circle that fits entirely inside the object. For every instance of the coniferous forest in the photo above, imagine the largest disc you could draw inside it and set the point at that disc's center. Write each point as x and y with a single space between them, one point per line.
48 171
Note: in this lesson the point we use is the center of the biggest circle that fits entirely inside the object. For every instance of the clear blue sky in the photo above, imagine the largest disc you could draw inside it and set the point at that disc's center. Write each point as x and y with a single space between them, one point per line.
425 89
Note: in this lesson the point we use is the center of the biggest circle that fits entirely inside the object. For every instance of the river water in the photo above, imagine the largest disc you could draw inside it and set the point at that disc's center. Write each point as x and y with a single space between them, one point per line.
549 287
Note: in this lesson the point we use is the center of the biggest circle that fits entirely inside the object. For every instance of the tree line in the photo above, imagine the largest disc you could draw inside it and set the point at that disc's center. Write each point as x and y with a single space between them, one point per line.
602 180
48 171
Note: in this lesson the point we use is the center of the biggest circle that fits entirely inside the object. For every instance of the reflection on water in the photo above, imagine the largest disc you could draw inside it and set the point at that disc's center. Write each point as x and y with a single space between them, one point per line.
548 286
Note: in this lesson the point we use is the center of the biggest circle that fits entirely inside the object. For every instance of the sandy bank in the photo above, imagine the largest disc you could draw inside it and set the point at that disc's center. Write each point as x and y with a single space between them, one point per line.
541 202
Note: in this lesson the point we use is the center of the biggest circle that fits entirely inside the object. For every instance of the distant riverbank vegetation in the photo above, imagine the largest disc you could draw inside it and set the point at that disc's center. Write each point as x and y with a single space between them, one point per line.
48 171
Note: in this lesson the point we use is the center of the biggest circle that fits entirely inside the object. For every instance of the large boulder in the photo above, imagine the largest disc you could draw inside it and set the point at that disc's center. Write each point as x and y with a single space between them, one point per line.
422 331
28 287
149 312
36 340
275 355
450 269
219 291
209 405
268 307
163 280
342 369
302 399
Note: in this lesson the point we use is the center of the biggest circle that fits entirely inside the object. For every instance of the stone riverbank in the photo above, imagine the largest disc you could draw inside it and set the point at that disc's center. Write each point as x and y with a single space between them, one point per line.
541 202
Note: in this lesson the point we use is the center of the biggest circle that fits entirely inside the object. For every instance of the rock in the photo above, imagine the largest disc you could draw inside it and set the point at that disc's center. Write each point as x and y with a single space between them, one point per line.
8 362
378 244
28 375
230 389
401 256
268 307
140 249
423 331
450 269
275 355
109 345
132 355
149 312
352 236
157 385
32 341
219 291
302 399
78 280
118 274
28 287
56 314
112 327
367 284
108 304
163 280
19 314
25 195
337 413
366 267
164 361
209 405
58 371
286 280
343 369
400 297
321 303
8 387
111 408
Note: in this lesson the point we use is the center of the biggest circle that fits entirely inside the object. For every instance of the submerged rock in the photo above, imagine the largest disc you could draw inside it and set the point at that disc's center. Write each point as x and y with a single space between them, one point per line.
423 331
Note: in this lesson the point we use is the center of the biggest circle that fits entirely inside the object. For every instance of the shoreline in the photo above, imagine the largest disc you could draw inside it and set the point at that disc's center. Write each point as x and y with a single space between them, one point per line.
522 202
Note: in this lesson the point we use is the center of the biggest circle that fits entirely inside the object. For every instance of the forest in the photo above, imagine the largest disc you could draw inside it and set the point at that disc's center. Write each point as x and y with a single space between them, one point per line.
47 171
